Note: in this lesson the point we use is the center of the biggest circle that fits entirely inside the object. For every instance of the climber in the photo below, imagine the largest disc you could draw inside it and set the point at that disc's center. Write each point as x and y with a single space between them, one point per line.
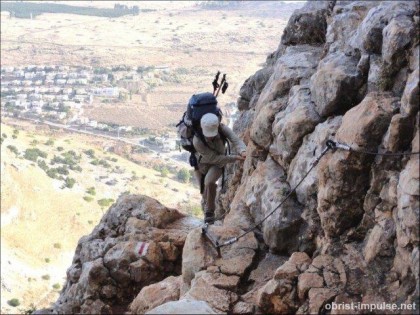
210 154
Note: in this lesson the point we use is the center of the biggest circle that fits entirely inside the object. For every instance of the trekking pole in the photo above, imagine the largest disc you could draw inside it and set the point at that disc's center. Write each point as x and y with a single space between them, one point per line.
215 83
221 84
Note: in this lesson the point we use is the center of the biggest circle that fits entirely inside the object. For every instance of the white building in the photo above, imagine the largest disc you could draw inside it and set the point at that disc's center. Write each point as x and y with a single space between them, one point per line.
107 91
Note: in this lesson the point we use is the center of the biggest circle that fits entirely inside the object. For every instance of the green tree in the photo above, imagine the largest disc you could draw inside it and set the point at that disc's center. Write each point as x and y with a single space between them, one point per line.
33 154
13 302
91 191
69 182
184 175
13 149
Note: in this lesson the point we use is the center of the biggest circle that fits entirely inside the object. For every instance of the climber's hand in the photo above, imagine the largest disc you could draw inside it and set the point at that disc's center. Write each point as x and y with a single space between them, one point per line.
240 158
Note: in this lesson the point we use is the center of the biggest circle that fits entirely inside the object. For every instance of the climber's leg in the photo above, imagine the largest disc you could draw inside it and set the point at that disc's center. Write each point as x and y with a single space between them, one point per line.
209 195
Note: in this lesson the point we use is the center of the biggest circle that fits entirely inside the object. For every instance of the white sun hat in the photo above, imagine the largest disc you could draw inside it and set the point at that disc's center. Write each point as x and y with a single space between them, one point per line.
210 125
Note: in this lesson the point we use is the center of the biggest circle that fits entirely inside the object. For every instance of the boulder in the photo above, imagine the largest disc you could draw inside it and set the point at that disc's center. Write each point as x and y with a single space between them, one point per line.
397 35
344 23
214 288
410 97
307 281
369 35
407 215
252 87
336 83
311 148
296 64
292 124
156 294
307 25
343 177
124 252
199 254
319 297
277 297
184 306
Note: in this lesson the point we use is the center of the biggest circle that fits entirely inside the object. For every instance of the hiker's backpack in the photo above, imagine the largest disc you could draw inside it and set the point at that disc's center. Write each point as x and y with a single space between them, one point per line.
198 106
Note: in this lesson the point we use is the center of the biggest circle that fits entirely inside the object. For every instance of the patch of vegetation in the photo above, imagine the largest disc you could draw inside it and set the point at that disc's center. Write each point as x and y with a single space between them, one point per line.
164 172
105 202
34 154
49 142
90 153
60 149
47 260
90 221
34 142
56 286
183 175
91 191
69 158
57 245
88 198
13 149
69 183
43 165
13 302
46 277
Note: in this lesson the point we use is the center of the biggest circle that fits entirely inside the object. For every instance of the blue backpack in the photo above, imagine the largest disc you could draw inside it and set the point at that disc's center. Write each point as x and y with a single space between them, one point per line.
189 125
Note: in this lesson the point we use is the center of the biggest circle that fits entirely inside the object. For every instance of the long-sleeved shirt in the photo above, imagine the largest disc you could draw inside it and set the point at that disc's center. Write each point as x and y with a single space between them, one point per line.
214 152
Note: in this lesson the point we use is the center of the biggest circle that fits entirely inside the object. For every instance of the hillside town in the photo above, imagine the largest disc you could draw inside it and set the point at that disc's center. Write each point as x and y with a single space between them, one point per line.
54 92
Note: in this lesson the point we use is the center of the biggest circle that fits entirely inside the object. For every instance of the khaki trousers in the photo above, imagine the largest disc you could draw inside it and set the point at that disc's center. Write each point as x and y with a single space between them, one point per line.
208 201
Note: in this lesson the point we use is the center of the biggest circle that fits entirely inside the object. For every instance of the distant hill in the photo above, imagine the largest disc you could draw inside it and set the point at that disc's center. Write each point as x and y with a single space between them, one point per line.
30 9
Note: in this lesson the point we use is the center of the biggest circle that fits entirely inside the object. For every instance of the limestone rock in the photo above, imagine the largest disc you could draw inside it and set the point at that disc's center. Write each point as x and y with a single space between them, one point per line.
184 306
307 25
292 124
410 98
252 88
156 294
215 288
199 253
277 297
318 297
297 63
310 149
350 182
335 85
307 281
124 252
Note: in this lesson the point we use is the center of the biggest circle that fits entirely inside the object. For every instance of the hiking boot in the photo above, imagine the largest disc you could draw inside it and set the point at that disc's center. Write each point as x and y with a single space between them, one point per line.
209 218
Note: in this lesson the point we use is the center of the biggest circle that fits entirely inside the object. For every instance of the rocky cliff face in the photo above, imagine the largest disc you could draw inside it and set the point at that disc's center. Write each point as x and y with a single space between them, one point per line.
347 71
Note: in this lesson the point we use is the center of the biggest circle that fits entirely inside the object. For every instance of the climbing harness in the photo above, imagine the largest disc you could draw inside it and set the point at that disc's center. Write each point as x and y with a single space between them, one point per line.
330 145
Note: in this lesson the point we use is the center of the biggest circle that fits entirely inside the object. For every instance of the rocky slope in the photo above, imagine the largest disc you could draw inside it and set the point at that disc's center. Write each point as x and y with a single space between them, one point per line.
346 71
